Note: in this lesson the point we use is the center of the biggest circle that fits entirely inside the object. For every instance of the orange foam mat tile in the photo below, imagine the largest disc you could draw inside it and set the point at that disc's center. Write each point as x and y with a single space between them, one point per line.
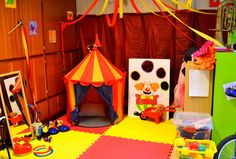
67 145
108 147
137 129
99 130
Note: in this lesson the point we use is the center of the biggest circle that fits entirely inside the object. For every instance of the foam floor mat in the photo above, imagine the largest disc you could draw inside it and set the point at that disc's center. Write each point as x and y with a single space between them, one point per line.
134 128
131 138
108 147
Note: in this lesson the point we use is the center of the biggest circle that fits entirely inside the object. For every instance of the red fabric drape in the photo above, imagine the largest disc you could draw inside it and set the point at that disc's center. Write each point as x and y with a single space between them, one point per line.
144 36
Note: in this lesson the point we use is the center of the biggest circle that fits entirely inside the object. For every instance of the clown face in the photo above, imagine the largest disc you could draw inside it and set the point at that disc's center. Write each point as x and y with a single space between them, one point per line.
147 88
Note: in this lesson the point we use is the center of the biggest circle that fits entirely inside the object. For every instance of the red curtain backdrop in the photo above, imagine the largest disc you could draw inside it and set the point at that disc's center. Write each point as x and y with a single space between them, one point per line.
145 36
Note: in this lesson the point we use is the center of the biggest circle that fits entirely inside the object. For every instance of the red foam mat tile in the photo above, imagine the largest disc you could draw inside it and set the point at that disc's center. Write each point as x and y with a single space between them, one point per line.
99 130
119 148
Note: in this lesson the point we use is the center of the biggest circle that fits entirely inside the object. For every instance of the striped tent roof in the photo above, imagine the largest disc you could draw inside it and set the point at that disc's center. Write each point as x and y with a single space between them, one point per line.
94 69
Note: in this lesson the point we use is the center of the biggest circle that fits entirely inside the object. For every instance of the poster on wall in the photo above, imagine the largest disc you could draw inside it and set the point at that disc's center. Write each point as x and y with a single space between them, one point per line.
70 15
52 36
10 3
148 84
33 27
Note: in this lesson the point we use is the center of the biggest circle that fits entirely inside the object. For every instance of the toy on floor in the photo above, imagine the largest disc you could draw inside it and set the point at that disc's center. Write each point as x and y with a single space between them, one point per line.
38 129
191 149
52 129
42 151
155 113
61 127
56 127
21 146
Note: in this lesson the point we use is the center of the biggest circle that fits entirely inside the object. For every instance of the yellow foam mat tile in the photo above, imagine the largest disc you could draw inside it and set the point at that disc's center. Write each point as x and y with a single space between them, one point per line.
137 129
69 145
18 129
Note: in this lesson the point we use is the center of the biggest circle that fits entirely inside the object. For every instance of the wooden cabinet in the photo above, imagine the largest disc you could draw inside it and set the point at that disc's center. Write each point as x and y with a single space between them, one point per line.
197 103
46 60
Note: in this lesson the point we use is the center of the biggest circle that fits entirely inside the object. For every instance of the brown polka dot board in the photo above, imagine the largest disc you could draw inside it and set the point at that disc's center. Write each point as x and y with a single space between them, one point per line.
148 84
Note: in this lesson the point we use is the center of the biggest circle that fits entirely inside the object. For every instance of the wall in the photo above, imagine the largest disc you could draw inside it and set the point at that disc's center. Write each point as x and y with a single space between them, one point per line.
81 6
45 57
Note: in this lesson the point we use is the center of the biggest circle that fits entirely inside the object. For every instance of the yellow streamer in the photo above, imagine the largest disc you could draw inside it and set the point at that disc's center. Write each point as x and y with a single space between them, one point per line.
103 7
196 31
121 8
189 5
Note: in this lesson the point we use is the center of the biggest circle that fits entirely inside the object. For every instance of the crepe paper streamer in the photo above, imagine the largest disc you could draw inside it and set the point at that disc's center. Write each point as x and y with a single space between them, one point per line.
25 47
194 30
185 35
109 23
189 3
77 20
189 7
42 151
135 6
103 7
121 8
170 7
64 24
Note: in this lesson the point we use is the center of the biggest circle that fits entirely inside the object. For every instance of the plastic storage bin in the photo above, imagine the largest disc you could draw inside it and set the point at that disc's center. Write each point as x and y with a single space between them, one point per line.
193 125
194 149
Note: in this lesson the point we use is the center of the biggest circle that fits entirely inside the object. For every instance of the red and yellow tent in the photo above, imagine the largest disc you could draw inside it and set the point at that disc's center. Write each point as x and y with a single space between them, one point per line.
97 71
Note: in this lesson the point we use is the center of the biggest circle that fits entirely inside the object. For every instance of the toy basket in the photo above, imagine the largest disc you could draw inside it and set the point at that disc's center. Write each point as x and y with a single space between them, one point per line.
193 125
194 149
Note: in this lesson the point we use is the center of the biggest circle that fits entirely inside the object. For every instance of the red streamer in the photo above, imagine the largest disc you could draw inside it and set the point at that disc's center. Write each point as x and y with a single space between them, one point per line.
135 6
114 17
65 24
185 35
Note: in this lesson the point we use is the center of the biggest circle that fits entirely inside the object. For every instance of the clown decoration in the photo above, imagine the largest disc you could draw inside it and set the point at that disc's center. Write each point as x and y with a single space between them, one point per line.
148 84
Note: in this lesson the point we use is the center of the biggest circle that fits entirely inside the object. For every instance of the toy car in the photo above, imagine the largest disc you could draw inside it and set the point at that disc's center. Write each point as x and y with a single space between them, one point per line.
155 113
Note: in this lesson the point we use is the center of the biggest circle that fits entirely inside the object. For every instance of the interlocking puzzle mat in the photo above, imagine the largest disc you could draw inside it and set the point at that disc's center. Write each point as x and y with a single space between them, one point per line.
134 128
68 145
131 138
108 147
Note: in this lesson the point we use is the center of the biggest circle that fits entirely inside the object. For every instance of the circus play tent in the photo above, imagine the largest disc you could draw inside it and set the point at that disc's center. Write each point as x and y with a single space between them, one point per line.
95 71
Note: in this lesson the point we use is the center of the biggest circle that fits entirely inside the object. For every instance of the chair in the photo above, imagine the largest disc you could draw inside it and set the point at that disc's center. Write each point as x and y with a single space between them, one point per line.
3 135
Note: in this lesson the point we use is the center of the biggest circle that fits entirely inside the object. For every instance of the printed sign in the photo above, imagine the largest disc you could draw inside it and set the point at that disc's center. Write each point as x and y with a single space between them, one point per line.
33 28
